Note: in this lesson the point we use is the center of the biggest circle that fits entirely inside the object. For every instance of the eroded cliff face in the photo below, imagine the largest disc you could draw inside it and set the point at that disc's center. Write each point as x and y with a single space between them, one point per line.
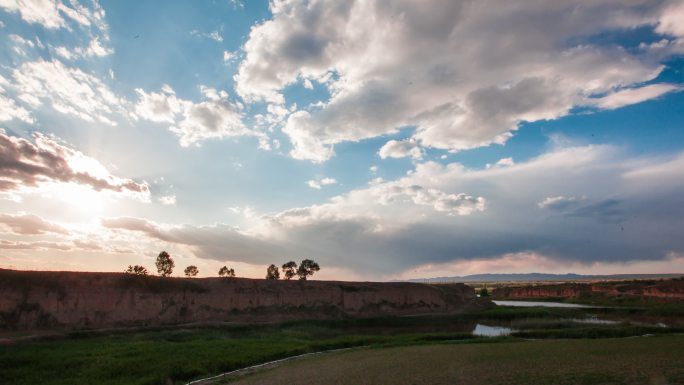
666 289
545 291
42 300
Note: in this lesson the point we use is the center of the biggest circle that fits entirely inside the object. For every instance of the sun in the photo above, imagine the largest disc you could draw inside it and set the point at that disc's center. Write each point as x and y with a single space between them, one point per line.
81 198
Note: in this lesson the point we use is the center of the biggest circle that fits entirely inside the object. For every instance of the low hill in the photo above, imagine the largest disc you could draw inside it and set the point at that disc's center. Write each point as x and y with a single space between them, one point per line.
662 289
532 277
68 300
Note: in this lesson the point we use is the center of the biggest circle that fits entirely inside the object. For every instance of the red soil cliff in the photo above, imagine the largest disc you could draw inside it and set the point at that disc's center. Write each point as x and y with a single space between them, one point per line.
35 300
666 289
542 291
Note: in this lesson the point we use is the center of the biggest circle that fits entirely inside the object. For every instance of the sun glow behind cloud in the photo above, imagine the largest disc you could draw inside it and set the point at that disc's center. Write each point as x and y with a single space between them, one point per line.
76 197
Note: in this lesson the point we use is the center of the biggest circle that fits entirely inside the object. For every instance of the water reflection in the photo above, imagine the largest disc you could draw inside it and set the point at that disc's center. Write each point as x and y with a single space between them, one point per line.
540 304
491 331
594 321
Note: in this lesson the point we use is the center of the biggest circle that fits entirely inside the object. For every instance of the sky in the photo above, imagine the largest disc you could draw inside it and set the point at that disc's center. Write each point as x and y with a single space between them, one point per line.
383 139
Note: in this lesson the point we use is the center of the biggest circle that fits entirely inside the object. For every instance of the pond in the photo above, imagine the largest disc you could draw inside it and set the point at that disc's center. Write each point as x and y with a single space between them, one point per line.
540 303
491 331
593 320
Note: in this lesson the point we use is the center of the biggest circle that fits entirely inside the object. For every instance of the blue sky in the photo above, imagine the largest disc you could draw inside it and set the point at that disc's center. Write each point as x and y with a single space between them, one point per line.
384 140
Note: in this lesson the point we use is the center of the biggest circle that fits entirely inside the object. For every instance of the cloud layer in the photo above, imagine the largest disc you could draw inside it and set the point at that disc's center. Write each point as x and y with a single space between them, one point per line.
53 14
27 224
25 164
465 73
579 205
68 90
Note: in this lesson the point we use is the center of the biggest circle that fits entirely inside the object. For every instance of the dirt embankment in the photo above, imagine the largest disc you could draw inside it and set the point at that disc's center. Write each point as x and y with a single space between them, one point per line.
672 289
69 300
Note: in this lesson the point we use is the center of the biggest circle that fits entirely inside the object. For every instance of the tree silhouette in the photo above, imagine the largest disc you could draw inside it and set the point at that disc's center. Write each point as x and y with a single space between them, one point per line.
191 271
290 270
136 270
307 268
164 264
226 272
272 272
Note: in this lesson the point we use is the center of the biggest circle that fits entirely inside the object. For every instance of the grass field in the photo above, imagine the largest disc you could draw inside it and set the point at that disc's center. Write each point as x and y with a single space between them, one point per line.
157 357
178 355
644 360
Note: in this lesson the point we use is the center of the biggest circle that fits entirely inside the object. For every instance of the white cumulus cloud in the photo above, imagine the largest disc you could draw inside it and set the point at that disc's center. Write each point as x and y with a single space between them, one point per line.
214 117
464 73
401 149
317 184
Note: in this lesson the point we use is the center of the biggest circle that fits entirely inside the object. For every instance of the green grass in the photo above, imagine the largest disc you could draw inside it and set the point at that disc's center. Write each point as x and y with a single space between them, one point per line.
177 355
596 332
653 360
155 357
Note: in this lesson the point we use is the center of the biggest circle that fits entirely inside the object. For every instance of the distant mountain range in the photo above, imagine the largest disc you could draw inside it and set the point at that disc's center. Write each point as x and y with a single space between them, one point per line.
541 277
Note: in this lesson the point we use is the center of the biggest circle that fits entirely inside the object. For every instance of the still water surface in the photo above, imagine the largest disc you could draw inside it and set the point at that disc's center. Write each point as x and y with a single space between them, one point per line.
539 303
491 331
